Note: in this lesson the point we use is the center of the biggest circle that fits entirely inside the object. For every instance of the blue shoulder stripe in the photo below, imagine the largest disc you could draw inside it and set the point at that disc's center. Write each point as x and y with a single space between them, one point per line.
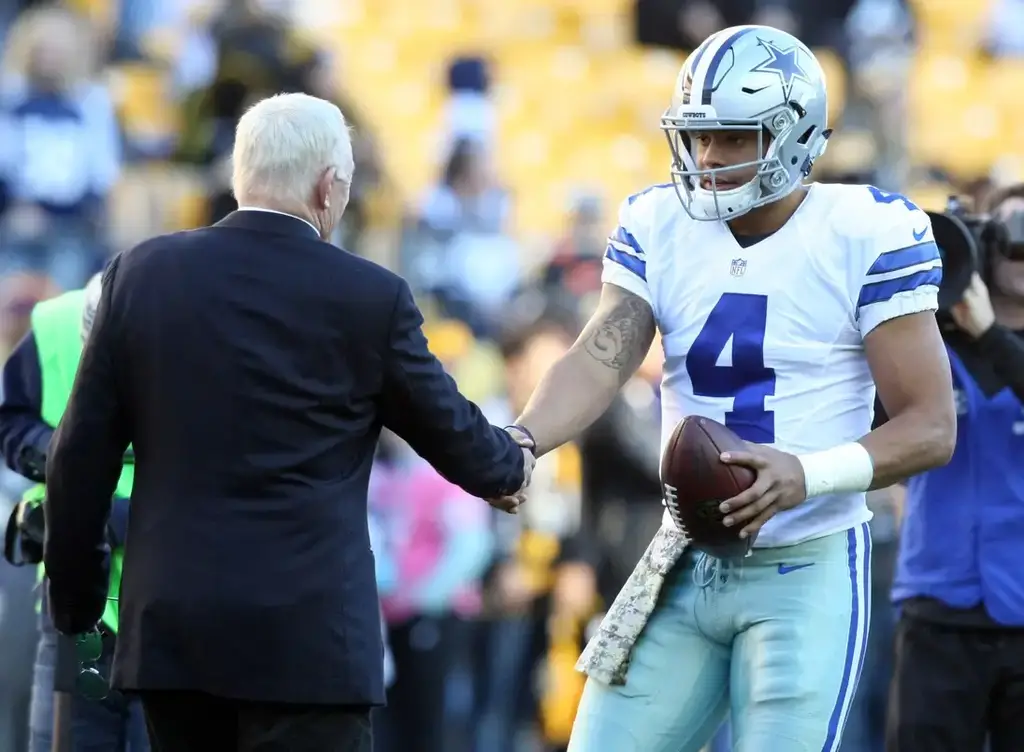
902 258
879 292
624 250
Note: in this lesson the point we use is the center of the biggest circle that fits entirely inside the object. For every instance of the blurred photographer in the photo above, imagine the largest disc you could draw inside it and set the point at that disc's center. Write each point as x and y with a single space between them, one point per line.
959 583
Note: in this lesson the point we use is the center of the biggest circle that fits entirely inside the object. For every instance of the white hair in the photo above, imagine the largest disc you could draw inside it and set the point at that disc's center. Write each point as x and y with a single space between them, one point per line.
284 143
93 291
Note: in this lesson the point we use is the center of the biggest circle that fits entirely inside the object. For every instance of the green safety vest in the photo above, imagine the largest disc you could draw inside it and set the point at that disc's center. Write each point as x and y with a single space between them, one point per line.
57 328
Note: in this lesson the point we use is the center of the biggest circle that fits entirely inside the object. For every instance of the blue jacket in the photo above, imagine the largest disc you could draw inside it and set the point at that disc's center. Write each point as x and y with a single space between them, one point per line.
964 522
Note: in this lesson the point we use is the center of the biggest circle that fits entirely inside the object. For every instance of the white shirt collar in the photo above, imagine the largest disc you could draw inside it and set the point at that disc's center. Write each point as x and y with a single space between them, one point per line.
283 214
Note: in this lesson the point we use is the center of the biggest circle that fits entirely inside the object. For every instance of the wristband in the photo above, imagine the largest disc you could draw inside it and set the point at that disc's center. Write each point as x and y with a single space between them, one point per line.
847 468
532 446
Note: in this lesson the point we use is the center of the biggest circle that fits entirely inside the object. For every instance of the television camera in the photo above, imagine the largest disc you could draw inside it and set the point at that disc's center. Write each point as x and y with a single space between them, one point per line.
971 242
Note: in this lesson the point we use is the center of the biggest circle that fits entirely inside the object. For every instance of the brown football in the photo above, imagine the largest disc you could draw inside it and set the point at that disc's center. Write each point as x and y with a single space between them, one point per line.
695 482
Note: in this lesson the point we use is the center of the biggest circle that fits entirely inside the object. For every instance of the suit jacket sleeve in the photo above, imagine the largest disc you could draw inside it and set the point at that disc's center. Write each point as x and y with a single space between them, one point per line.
422 404
82 472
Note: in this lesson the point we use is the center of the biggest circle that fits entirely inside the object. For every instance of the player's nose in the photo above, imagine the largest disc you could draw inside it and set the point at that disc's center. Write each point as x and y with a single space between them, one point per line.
711 164
711 158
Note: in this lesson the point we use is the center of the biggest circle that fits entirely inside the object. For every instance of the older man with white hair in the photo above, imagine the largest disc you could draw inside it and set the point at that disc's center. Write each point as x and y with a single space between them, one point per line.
293 154
251 365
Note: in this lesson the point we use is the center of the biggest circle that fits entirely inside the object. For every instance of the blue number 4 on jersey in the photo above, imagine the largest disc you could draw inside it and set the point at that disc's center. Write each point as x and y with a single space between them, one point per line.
743 318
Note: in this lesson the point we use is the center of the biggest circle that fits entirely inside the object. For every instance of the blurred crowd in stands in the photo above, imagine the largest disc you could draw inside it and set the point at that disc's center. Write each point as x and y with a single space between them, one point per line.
116 122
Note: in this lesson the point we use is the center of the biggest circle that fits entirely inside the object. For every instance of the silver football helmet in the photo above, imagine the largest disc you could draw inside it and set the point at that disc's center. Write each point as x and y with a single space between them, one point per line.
747 78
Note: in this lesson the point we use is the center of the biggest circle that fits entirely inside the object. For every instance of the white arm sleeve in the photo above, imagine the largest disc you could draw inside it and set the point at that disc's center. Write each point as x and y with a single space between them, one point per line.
625 262
903 269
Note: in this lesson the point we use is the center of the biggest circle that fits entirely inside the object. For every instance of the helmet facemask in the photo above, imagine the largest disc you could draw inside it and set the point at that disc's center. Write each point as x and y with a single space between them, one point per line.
771 182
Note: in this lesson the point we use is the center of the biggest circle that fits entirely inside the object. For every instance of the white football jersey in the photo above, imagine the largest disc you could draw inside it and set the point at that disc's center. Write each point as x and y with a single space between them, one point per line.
769 339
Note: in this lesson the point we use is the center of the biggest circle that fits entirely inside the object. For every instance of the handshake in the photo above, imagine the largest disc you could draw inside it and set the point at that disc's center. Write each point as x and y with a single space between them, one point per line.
510 504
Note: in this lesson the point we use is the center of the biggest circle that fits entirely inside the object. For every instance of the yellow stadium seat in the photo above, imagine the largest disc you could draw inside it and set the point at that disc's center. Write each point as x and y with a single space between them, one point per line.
586 163
412 151
937 79
630 155
143 101
555 90
607 32
598 7
539 211
525 157
639 84
614 165
1001 80
542 67
967 141
540 19
658 70
560 122
422 20
622 83
427 59
510 103
503 23
950 24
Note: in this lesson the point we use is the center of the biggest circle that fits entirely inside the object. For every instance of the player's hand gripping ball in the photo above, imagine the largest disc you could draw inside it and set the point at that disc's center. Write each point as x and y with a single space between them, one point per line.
695 482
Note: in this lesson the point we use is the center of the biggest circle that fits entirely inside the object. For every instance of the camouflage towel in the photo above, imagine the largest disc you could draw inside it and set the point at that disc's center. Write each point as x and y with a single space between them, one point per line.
606 657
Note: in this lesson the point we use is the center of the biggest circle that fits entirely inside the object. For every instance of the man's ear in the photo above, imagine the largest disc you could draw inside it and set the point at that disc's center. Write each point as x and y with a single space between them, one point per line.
323 189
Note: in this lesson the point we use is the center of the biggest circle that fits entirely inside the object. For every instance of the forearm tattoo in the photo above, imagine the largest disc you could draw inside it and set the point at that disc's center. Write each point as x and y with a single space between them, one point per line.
621 340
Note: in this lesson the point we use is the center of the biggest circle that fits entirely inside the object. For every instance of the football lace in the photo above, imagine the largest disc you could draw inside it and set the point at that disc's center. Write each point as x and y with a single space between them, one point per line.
671 502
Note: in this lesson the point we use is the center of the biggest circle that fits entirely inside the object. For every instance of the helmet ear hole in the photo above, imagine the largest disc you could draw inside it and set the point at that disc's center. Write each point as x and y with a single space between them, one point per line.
806 135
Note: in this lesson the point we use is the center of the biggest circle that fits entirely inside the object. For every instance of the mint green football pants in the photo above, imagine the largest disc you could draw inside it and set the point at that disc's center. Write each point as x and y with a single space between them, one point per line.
775 641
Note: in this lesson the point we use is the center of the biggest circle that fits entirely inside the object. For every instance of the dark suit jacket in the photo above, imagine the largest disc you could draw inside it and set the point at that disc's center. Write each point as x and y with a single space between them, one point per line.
251 366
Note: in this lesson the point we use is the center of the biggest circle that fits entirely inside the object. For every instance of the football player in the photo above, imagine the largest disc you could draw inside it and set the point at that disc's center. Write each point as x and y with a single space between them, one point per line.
782 306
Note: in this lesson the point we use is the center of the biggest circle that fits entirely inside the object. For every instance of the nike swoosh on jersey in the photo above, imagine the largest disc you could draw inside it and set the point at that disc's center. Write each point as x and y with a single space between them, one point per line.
787 568
919 235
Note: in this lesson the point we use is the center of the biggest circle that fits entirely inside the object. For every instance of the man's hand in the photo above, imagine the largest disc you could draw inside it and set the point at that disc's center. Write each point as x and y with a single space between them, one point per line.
511 503
780 485
974 313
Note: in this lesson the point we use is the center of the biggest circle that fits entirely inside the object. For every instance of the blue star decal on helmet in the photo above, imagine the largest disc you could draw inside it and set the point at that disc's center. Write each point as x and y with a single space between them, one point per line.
785 63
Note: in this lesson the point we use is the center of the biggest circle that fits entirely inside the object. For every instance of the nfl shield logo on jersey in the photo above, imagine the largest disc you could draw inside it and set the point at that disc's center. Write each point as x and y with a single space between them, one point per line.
739 266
